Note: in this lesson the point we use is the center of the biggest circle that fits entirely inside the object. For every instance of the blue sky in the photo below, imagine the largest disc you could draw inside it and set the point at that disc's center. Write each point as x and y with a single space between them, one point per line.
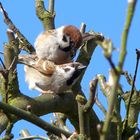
106 17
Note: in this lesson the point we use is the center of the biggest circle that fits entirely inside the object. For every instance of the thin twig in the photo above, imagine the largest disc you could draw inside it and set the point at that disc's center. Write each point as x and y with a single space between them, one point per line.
90 102
60 121
81 101
130 12
51 6
33 137
132 90
83 118
24 133
128 77
9 128
12 64
8 134
5 74
112 65
99 104
2 63
83 27
135 136
1 53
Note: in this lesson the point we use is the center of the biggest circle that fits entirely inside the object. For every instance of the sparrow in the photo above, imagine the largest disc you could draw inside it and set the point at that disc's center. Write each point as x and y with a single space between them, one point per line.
48 77
58 45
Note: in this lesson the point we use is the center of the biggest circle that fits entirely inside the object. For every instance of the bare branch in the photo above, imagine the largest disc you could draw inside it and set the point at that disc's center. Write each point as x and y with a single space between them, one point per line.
24 133
99 104
46 17
33 119
3 121
132 90
90 102
33 137
3 65
9 129
83 120
112 65
85 55
51 6
130 12
135 136
128 77
25 43
9 67
108 47
60 121
83 27
129 17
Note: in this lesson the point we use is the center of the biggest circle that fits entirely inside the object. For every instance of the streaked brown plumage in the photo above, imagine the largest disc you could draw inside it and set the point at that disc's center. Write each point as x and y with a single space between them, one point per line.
59 45
48 77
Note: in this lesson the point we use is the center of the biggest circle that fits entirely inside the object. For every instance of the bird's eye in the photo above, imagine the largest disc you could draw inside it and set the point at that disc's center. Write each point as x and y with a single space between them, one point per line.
66 69
64 38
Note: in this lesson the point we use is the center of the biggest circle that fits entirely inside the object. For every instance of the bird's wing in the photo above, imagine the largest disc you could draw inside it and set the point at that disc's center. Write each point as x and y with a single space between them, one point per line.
47 66
27 59
44 66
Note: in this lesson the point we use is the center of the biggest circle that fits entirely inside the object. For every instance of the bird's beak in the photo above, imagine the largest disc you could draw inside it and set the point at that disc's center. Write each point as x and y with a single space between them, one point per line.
82 67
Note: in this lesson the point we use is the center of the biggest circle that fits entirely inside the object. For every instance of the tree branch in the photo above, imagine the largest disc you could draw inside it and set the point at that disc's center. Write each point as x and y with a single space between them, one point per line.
108 47
49 103
83 27
99 104
8 130
128 77
130 128
33 119
3 121
51 6
132 91
103 84
33 137
9 85
54 105
135 136
106 87
60 121
24 133
85 55
23 41
129 17
83 118
130 12
90 102
46 17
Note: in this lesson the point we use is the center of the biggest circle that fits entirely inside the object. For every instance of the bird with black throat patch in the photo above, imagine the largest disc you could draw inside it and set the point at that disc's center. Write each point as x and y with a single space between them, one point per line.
58 45
47 77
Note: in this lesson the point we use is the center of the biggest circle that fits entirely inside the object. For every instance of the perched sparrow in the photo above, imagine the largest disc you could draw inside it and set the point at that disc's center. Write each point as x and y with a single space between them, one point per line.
58 45
48 77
